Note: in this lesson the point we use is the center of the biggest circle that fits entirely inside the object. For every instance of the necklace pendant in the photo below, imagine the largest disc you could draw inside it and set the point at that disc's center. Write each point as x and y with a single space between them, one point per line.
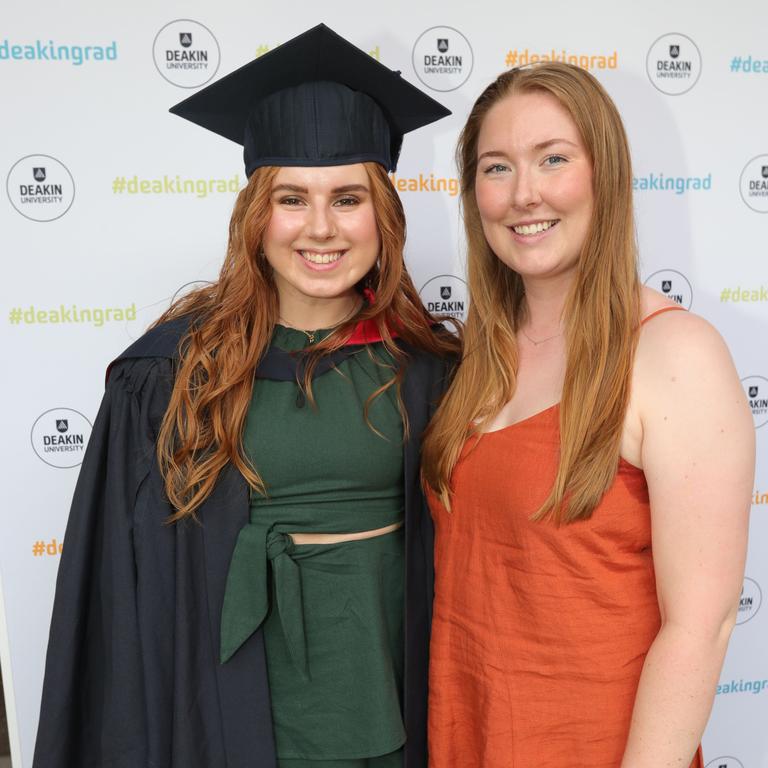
310 336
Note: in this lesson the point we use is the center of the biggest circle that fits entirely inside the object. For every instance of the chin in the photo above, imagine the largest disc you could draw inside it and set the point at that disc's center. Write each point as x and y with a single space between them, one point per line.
326 292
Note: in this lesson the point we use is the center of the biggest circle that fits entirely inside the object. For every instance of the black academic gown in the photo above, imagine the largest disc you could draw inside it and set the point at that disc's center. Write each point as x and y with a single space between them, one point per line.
132 676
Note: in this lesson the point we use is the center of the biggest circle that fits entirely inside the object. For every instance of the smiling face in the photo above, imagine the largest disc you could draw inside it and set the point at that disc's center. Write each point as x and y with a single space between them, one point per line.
322 237
533 185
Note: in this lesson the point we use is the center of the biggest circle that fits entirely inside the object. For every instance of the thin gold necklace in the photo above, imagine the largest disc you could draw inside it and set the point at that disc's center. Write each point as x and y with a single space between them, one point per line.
537 343
311 334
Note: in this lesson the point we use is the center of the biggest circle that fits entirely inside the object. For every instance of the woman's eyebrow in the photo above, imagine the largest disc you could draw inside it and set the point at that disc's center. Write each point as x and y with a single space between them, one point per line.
289 188
492 153
350 188
550 142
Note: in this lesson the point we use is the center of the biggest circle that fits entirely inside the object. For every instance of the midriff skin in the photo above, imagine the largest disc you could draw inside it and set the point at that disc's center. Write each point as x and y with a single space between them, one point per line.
337 538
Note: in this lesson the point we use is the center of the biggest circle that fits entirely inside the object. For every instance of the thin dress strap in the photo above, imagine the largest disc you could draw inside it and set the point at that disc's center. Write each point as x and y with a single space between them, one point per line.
659 311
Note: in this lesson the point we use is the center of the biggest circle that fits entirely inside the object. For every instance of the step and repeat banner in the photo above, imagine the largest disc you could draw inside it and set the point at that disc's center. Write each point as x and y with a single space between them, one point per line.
110 206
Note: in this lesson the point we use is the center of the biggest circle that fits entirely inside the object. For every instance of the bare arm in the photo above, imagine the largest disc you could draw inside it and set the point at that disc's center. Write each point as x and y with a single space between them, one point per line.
698 458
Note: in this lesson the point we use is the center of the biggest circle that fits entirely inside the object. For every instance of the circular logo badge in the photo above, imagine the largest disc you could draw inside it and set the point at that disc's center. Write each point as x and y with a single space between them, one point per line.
445 295
756 390
750 600
673 284
753 184
186 53
725 762
59 437
40 187
673 64
443 58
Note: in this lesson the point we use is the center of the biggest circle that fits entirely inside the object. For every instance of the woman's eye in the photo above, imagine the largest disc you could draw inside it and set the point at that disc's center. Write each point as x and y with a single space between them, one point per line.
552 160
495 168
292 201
346 201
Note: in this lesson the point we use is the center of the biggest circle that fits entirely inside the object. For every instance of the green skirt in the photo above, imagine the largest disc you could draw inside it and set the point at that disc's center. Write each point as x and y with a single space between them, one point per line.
351 599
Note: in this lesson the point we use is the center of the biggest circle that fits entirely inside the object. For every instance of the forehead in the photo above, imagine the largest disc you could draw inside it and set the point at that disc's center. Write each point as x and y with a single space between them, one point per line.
322 177
522 120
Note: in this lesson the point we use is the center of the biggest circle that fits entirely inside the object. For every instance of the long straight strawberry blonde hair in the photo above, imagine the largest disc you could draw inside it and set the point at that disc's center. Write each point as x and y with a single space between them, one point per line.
231 324
601 314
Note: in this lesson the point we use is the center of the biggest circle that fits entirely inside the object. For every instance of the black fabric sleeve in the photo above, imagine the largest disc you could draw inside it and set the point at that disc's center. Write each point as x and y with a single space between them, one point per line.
92 710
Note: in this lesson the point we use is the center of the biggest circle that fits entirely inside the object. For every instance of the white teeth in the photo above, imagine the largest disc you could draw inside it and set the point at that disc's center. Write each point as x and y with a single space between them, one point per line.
321 258
533 229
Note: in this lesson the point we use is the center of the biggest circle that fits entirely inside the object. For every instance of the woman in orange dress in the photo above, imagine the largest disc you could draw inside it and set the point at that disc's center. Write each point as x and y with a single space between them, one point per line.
590 469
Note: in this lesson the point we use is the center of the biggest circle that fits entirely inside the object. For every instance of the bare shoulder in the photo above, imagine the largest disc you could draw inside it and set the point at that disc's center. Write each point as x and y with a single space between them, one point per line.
652 301
682 361
681 341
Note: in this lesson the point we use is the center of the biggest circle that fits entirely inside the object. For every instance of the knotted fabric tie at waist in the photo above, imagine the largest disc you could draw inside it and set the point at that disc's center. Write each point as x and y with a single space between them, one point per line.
246 599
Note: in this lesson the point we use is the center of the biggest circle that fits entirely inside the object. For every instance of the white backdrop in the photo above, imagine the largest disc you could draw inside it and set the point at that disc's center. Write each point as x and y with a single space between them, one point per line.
110 205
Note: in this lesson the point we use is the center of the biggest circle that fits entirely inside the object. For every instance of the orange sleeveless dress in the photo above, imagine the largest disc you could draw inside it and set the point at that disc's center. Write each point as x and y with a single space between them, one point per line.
539 633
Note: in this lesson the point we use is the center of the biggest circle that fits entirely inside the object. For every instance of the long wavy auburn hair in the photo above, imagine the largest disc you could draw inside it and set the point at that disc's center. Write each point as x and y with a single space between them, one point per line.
601 314
231 324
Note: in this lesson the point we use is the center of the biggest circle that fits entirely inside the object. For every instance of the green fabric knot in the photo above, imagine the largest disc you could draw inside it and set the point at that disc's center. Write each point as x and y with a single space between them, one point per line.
279 544
246 598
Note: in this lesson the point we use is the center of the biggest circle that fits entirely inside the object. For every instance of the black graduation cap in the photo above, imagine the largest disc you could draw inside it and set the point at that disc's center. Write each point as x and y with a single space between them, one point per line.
315 100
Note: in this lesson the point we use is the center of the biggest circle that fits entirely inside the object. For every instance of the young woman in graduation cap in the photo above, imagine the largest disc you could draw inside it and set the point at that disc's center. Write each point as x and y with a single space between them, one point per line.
249 511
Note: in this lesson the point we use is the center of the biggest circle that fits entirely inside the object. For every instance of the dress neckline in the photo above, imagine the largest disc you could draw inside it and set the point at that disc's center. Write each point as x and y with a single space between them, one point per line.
554 406
533 417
